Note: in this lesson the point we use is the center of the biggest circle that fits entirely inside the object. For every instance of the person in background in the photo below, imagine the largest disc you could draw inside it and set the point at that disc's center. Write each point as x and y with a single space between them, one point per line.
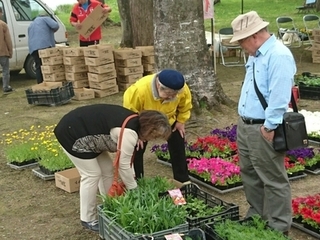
166 92
272 66
5 55
41 36
87 135
79 12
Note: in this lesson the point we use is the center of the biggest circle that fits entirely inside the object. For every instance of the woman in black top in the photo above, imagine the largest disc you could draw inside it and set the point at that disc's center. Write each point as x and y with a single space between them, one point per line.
88 134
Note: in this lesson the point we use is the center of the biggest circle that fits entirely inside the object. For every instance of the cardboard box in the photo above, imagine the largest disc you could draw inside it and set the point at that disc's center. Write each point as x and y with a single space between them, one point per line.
129 70
54 77
316 60
131 62
130 78
92 21
316 46
127 53
316 32
72 51
83 94
73 60
123 86
68 180
94 77
76 68
102 68
148 60
76 76
97 51
103 85
57 60
315 53
148 67
80 83
106 92
46 86
90 61
316 39
146 50
49 52
52 69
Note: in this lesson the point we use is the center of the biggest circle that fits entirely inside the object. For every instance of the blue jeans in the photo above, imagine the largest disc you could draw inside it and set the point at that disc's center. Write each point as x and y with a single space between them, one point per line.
4 62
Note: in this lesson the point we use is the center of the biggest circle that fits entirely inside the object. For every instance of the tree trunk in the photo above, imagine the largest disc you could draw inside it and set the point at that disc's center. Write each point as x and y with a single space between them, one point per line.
318 6
136 21
180 44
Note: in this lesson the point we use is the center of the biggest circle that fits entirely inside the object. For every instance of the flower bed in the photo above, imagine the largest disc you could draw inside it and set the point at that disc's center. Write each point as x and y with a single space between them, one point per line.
306 214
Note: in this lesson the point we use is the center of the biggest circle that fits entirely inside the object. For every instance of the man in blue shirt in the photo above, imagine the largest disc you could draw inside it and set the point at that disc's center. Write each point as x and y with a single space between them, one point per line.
40 36
272 66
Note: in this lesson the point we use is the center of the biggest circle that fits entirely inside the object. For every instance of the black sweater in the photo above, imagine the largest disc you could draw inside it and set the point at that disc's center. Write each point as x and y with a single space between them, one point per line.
85 131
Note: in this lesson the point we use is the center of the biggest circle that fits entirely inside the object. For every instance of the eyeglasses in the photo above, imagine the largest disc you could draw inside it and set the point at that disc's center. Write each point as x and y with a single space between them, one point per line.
241 41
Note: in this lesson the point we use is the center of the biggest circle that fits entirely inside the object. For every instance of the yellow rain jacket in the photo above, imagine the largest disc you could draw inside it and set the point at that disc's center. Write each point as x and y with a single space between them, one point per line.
143 95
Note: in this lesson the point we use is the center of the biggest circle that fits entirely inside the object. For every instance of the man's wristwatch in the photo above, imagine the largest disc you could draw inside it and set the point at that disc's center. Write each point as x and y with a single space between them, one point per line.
267 129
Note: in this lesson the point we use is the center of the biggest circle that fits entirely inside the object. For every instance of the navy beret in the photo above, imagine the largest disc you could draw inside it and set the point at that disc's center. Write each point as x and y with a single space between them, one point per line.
171 79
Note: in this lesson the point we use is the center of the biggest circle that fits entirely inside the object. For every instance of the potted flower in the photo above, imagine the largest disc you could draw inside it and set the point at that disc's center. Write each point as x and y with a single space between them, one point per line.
313 163
53 159
306 210
229 132
23 147
295 168
215 171
161 151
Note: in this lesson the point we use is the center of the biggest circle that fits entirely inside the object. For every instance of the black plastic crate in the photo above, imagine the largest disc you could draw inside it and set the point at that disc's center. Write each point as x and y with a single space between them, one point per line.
231 210
110 230
193 234
54 97
308 92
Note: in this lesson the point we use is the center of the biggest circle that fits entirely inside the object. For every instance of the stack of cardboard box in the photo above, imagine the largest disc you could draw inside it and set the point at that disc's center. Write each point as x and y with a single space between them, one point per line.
128 66
148 60
316 46
76 72
101 70
52 65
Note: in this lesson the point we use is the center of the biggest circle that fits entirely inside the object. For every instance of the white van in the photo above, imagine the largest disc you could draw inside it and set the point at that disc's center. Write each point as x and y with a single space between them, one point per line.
18 14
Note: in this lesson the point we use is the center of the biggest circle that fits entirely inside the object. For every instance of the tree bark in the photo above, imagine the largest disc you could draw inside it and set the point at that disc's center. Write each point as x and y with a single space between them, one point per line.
137 22
318 6
180 44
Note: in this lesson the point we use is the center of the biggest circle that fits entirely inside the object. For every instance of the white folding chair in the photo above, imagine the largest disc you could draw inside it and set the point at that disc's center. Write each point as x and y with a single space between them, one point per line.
310 22
225 34
288 33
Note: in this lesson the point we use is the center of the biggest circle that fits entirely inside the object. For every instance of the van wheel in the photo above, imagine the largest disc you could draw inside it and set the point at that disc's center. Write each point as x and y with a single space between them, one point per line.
30 67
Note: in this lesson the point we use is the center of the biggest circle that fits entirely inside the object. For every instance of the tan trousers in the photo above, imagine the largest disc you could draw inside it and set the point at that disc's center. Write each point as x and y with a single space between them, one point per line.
95 173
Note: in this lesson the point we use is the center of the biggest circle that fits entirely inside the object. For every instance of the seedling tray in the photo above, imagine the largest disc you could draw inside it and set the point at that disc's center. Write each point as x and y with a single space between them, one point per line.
204 184
42 175
166 163
31 165
53 97
302 175
109 229
305 230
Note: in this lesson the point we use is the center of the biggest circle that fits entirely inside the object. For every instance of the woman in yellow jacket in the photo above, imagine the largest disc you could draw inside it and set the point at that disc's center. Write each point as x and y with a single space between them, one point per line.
168 93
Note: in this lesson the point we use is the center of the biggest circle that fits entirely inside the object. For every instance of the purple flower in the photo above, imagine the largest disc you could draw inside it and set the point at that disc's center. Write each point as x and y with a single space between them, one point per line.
304 153
228 132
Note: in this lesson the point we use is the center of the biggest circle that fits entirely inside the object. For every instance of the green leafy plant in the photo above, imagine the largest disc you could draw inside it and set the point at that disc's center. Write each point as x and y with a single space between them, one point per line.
198 208
254 228
142 211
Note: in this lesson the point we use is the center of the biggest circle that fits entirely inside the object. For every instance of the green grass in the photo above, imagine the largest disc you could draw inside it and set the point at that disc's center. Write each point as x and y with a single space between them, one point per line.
225 12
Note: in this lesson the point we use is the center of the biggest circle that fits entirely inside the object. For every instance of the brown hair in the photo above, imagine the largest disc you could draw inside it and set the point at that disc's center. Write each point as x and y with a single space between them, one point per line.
153 124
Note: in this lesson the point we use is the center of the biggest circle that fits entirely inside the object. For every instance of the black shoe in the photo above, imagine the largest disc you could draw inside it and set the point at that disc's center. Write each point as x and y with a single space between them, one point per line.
93 226
8 90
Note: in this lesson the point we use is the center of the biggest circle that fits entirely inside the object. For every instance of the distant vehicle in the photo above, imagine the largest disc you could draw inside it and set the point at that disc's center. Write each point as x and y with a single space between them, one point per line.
18 14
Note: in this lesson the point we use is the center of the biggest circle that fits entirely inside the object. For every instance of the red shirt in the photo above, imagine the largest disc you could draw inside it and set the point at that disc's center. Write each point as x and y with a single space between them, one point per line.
78 14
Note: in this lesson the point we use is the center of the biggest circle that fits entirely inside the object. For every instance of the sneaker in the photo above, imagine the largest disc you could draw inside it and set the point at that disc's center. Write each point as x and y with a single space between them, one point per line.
7 90
93 226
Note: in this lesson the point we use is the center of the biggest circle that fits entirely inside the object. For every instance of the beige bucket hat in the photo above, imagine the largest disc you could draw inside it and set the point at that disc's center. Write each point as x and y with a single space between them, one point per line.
246 25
